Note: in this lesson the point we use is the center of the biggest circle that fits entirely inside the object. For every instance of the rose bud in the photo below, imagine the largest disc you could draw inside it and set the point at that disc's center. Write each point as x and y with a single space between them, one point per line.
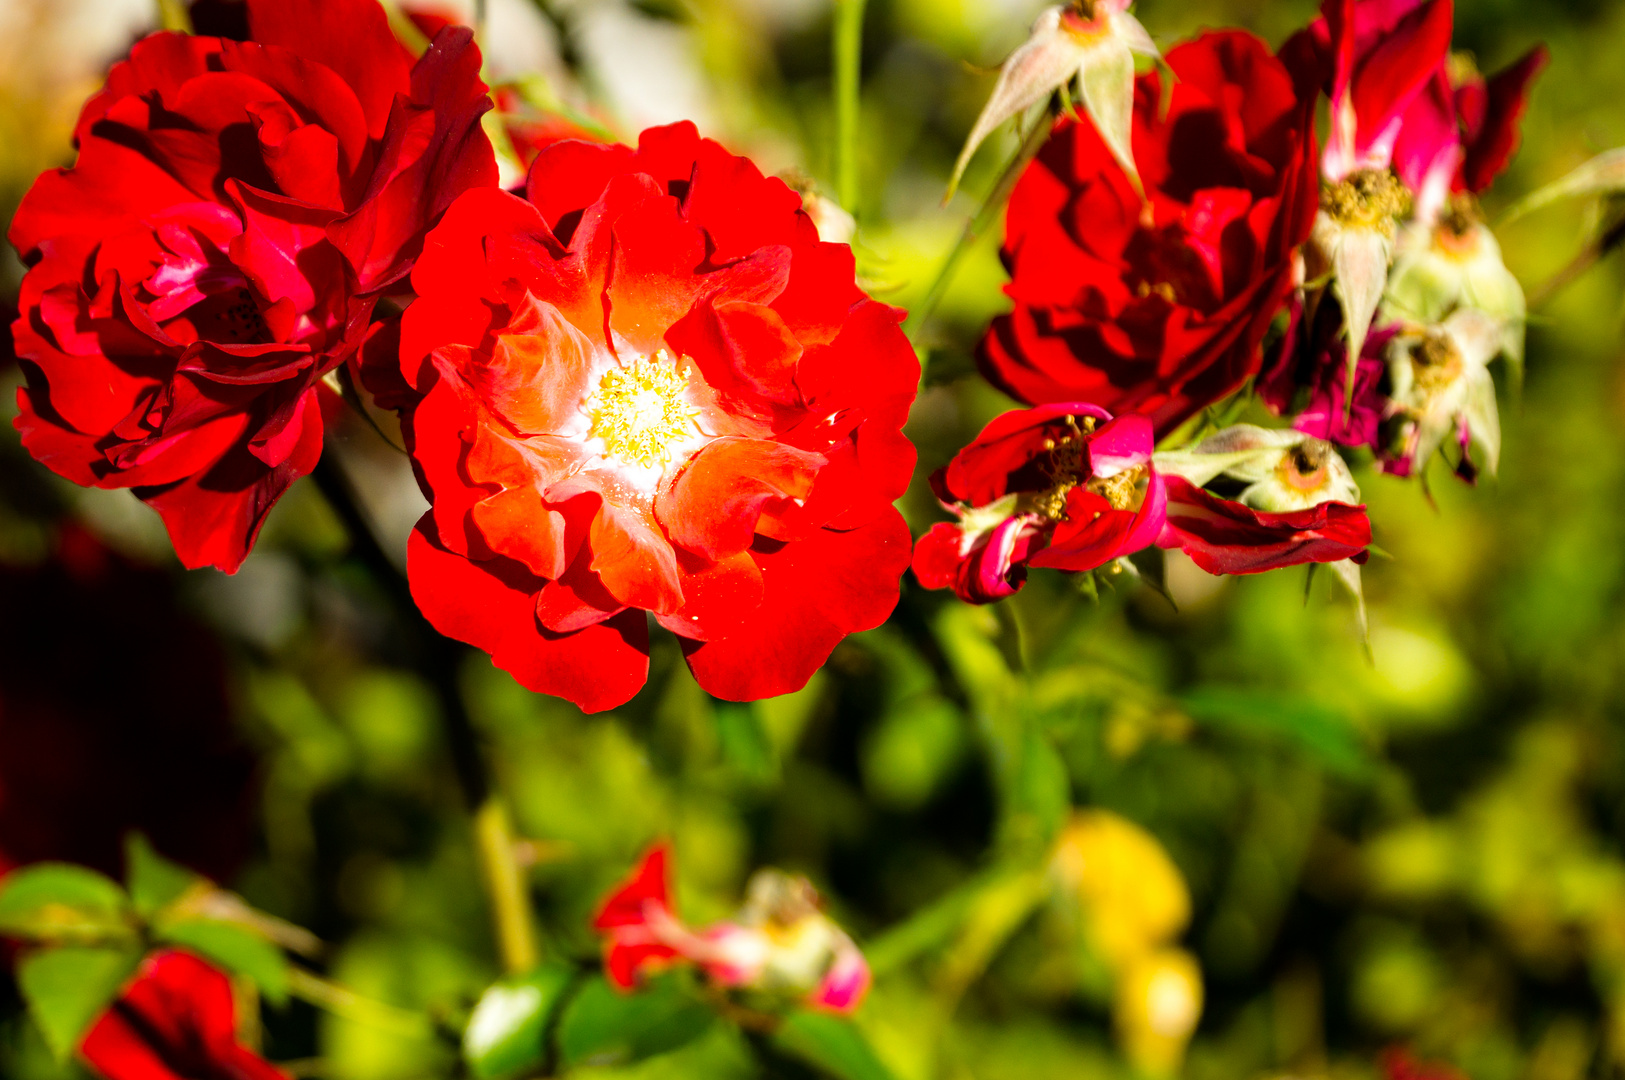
780 943
1091 43
1060 486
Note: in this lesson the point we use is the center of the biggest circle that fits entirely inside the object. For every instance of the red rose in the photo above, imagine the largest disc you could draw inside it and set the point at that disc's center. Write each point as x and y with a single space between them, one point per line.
1059 486
85 757
175 1021
1225 537
649 388
217 248
1159 308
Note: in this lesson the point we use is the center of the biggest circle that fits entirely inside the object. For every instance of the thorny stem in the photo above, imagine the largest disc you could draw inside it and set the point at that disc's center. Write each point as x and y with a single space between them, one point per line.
979 224
493 834
847 78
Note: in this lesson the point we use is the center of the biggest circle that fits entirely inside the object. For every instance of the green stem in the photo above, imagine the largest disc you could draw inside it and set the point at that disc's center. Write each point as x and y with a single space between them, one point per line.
505 887
978 224
493 834
339 1001
848 74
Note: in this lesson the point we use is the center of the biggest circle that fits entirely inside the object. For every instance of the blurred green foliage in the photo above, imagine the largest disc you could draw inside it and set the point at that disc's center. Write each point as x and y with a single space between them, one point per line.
1419 846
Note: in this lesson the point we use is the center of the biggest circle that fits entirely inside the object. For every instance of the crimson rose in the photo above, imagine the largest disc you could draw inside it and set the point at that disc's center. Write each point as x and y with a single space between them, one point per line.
1224 537
1159 307
649 388
217 249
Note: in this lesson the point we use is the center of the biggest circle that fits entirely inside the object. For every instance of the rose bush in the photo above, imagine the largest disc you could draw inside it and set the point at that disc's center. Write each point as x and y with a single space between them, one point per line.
1159 308
647 387
218 248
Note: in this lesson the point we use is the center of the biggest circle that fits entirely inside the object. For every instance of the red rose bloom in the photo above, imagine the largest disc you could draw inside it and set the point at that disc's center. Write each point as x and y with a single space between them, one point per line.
1059 486
1225 537
1159 308
217 247
175 1021
650 388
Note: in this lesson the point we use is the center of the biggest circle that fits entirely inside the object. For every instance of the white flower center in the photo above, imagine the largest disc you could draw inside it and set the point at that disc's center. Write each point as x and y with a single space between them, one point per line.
641 411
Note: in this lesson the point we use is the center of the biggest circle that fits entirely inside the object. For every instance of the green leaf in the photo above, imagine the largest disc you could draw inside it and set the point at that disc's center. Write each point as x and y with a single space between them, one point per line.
239 951
1326 734
745 745
69 987
506 1035
60 902
605 1026
153 880
831 1044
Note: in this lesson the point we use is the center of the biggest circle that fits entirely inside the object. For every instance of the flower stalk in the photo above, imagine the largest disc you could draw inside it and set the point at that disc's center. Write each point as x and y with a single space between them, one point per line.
847 78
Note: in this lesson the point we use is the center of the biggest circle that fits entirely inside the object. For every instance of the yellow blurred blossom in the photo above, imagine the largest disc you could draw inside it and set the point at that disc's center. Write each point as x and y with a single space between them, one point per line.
1133 898
1159 1001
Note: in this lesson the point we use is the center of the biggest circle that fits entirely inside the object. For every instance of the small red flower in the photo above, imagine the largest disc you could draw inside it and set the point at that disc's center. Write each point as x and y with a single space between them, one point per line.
1225 537
1399 1064
175 1021
1159 307
218 246
1060 486
780 942
649 388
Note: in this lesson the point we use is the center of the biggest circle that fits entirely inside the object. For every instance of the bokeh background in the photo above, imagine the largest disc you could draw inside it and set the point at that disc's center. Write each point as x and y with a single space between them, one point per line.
1032 818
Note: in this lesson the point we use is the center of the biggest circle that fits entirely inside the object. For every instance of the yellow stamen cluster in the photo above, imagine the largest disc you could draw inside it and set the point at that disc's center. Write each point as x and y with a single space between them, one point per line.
640 411
1370 198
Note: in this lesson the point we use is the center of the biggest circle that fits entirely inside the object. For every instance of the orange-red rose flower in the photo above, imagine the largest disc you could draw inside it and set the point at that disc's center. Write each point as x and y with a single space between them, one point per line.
648 388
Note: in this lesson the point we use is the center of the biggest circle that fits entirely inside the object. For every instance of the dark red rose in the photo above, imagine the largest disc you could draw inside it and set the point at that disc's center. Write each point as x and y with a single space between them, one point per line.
115 715
1060 486
649 388
1491 112
1225 537
175 1021
217 248
1160 308
1308 371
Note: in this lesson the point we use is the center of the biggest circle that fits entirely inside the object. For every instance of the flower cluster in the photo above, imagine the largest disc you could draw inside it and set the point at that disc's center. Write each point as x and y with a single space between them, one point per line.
639 387
780 944
1406 300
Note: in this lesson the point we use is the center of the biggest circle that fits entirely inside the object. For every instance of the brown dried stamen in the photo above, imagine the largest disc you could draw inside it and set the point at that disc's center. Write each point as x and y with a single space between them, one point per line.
1064 469
1437 362
1370 198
